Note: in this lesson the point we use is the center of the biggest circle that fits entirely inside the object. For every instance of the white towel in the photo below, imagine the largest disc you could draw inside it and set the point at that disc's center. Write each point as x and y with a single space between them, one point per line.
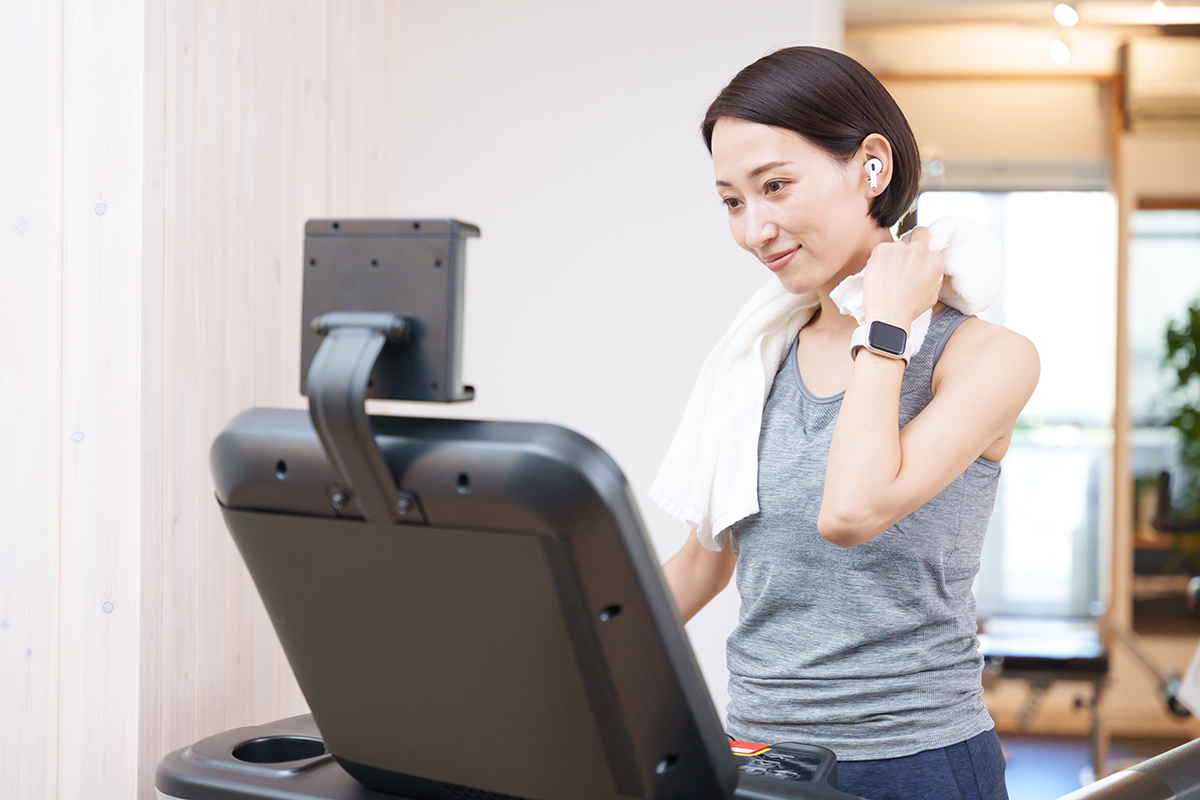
709 478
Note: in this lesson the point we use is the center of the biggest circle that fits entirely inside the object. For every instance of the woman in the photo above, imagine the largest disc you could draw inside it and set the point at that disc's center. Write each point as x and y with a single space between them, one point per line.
876 475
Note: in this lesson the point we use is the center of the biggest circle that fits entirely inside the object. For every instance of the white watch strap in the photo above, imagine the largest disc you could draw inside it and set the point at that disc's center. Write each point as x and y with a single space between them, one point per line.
858 339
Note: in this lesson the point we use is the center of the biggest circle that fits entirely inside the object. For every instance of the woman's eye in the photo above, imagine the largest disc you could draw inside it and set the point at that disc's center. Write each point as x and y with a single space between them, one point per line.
774 186
730 202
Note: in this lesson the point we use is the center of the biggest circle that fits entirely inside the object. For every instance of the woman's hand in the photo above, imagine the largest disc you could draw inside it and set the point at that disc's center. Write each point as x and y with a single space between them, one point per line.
902 280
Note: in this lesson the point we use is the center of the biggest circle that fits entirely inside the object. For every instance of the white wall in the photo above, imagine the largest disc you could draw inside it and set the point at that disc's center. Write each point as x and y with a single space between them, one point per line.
570 133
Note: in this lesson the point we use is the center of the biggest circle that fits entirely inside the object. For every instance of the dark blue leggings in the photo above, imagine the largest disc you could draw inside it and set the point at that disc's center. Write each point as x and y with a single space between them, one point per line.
970 770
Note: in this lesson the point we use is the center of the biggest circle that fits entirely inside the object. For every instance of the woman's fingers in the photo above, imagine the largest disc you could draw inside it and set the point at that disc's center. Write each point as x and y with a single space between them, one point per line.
903 279
919 235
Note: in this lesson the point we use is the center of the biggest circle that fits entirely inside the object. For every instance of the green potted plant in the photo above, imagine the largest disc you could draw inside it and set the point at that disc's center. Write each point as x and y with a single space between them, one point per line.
1183 357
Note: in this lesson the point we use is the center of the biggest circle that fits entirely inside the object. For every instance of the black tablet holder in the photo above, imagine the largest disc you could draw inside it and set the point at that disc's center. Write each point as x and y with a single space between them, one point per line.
383 307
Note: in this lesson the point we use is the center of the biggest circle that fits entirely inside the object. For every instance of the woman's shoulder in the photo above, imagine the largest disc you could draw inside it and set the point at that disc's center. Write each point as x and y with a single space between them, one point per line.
978 347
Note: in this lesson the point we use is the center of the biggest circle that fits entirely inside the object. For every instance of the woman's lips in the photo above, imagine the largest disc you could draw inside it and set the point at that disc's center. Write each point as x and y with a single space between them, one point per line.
776 263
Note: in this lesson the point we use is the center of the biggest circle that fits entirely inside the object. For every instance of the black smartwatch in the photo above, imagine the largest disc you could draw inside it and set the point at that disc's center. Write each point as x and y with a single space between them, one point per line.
882 338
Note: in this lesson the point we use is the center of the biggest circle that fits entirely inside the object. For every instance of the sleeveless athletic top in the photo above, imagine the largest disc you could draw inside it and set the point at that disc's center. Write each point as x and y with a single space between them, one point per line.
868 650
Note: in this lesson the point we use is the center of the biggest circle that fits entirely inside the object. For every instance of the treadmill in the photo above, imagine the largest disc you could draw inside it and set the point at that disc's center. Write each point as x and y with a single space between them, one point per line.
472 609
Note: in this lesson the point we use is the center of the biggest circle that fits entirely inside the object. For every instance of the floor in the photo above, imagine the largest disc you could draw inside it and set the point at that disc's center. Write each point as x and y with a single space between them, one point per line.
1046 768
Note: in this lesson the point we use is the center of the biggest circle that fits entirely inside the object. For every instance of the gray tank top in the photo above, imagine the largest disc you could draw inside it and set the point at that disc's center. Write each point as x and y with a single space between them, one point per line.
868 650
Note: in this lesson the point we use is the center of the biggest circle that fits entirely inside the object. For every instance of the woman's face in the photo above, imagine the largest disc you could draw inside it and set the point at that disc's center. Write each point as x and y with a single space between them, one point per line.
804 214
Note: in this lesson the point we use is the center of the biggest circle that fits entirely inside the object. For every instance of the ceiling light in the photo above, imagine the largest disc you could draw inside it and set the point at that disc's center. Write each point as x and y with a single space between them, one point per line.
1059 52
1065 15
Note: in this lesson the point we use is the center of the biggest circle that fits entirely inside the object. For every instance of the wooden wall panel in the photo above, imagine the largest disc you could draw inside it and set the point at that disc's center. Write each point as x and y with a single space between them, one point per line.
30 366
153 518
101 389
181 178
364 113
157 167
297 136
249 126
194 619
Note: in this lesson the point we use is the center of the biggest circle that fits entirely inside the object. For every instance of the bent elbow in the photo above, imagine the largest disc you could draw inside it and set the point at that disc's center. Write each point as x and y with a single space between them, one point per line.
847 527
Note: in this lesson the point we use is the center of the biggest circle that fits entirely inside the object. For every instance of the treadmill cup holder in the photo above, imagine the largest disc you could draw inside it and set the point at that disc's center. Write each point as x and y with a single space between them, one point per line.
279 749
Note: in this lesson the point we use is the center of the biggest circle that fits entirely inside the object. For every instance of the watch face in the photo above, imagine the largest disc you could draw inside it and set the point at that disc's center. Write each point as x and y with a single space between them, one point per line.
888 338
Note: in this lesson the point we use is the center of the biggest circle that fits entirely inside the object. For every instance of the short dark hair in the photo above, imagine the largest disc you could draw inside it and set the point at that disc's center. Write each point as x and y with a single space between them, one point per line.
833 102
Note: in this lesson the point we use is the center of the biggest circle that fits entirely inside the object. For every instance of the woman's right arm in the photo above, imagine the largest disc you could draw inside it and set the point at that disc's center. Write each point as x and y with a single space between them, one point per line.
696 575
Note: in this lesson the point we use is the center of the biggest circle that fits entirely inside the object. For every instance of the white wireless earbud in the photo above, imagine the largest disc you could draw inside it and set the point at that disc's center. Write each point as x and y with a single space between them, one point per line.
873 167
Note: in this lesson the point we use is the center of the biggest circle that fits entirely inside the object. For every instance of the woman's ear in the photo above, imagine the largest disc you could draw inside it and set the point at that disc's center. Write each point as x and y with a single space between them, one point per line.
875 148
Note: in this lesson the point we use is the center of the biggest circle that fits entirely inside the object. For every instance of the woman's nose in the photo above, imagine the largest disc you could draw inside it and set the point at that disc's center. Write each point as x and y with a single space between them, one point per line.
760 230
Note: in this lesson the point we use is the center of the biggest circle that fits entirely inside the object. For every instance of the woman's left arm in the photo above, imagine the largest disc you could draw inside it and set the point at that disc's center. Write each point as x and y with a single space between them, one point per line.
878 474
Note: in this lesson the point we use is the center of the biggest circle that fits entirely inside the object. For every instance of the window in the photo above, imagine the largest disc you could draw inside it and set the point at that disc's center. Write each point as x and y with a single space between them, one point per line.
1042 554
1164 280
